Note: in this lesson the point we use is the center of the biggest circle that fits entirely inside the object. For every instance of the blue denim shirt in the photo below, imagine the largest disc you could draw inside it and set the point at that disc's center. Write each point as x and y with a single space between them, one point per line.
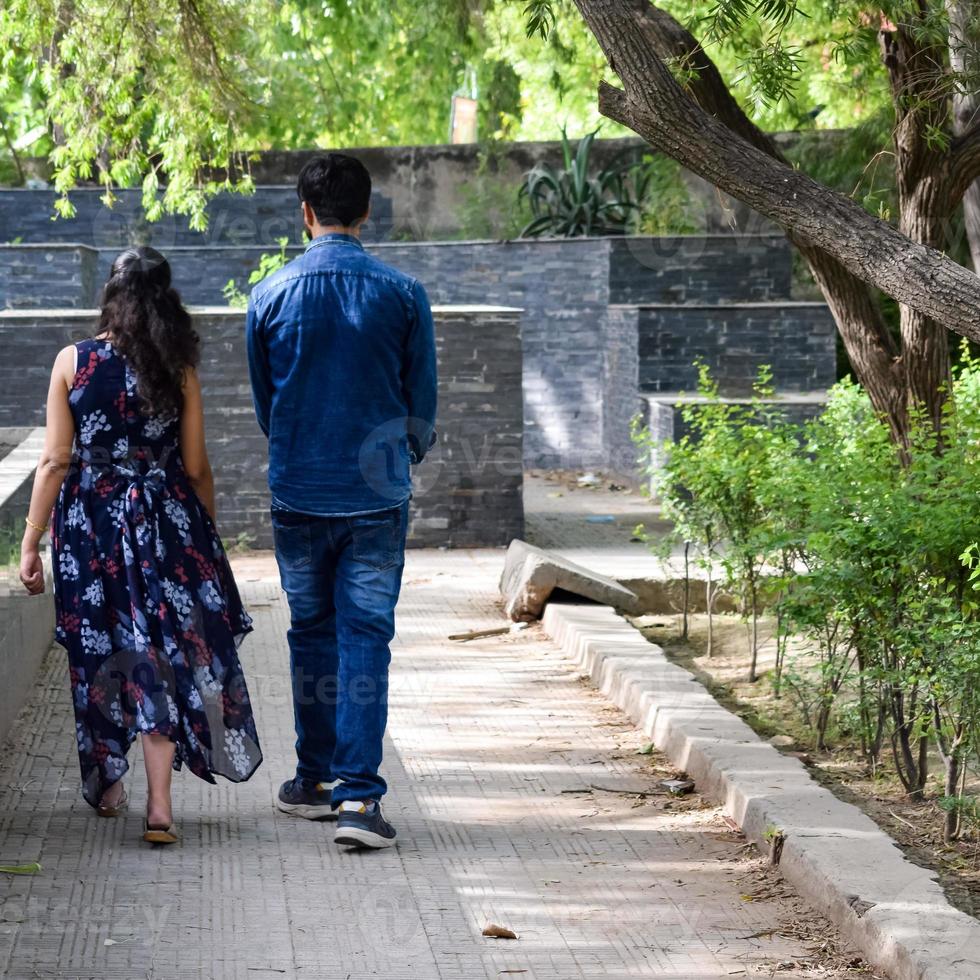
341 353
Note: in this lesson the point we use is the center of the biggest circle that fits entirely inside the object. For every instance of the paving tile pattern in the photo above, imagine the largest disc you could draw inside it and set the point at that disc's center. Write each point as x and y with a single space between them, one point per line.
514 790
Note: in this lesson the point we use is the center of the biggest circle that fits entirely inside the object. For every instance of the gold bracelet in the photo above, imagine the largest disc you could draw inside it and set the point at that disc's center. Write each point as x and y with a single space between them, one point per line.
37 527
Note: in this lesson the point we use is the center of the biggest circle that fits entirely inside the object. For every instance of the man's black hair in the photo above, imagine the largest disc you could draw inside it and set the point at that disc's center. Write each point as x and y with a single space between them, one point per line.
337 187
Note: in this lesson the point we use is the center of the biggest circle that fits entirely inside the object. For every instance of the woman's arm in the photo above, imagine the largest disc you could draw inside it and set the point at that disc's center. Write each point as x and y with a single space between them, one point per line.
192 446
59 435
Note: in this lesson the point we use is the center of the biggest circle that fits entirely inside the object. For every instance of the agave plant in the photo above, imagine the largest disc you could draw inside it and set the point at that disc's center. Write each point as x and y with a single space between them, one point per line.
569 203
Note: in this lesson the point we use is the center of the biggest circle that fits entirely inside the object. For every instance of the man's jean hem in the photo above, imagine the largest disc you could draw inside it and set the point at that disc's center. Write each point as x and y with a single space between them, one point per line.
342 576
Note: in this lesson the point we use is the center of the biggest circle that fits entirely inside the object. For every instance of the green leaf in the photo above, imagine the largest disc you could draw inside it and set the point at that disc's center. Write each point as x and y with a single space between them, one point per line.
21 869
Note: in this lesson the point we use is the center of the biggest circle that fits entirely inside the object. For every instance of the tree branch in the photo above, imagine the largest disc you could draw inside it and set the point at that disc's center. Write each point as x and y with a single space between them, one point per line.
870 345
654 106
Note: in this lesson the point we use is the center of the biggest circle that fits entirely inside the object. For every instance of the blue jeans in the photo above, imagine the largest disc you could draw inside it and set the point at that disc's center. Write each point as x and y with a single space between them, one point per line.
342 576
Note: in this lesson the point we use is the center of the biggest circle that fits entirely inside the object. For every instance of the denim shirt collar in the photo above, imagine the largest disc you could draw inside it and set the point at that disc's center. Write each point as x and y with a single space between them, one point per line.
334 237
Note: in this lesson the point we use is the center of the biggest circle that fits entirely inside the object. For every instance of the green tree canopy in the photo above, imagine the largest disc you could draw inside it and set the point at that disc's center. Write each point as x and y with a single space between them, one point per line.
130 93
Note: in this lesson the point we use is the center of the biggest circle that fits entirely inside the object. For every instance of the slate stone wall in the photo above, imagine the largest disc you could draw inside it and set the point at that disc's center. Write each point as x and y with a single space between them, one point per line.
261 218
33 276
449 191
711 294
469 490
621 362
797 340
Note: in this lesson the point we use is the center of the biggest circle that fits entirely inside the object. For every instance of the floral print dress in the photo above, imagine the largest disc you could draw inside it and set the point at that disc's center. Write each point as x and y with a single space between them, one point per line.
146 603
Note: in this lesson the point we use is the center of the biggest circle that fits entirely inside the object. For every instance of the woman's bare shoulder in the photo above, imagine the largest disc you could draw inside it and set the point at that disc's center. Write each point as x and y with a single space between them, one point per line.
65 364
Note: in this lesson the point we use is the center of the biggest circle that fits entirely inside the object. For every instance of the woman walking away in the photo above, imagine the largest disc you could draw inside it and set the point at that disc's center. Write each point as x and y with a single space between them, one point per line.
147 607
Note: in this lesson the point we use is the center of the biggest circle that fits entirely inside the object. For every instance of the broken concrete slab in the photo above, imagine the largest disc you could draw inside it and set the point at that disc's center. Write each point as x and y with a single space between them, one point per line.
531 575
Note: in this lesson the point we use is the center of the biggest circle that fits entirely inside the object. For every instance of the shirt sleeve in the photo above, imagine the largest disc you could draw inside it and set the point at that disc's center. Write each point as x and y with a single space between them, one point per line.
420 378
258 367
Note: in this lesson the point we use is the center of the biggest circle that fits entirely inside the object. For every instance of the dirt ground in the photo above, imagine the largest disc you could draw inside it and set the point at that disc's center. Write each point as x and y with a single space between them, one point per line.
826 954
915 826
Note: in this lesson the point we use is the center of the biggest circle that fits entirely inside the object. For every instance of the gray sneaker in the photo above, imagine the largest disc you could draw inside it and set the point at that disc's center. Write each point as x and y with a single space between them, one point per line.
362 824
304 798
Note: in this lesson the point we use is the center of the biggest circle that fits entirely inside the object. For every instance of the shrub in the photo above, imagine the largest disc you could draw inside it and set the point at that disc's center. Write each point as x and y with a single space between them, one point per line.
269 262
572 201
871 556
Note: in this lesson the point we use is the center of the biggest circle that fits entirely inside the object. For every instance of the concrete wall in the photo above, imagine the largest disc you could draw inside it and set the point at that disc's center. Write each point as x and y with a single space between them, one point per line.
469 492
26 622
423 192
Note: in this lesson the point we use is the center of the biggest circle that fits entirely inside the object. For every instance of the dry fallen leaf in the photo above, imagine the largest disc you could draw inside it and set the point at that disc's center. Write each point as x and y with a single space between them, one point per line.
498 932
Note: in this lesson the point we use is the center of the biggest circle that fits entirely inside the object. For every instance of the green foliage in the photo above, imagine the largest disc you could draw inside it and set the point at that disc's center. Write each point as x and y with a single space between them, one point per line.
573 201
789 63
965 809
716 485
541 18
360 72
499 87
490 207
172 97
869 554
120 90
668 207
11 532
269 262
558 71
243 544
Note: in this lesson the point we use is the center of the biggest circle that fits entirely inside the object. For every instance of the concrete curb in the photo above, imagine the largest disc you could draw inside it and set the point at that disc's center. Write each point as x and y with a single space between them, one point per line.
838 859
26 622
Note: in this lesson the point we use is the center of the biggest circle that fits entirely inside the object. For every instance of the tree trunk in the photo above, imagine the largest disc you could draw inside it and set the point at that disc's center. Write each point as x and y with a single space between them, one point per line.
872 350
654 105
925 342
754 635
687 589
951 785
870 346
911 759
925 208
963 46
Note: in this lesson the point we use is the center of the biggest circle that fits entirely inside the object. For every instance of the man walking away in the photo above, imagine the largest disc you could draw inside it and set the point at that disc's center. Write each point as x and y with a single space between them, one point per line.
343 368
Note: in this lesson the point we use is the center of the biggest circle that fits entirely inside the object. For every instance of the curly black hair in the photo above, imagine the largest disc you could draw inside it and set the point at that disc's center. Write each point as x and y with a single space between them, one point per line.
148 325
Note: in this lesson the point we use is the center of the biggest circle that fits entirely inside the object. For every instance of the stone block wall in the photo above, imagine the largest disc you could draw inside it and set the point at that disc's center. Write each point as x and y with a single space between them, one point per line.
431 192
469 491
637 269
724 297
702 269
619 407
261 218
32 276
797 340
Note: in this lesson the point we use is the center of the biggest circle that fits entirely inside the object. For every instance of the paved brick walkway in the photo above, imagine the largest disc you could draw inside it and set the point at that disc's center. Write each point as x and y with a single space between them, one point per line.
515 791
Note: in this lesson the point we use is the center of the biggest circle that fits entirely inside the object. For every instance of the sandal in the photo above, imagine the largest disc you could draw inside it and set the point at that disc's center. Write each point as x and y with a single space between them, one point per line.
113 809
160 835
